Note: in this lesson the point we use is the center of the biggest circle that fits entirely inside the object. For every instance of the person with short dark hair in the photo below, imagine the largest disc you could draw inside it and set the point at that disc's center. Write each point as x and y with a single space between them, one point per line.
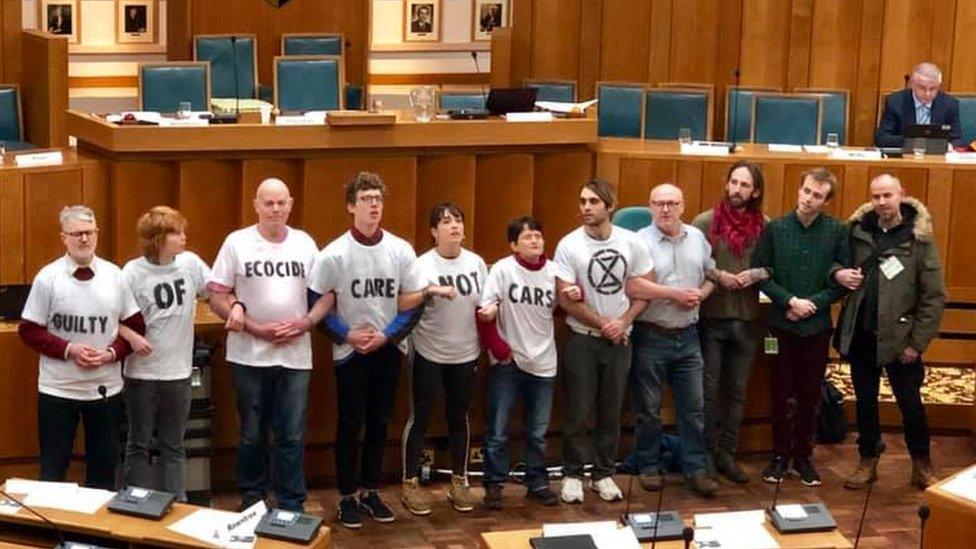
520 295
447 281
800 250
71 318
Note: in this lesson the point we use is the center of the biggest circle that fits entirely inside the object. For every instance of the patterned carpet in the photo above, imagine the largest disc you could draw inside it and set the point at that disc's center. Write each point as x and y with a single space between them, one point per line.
942 385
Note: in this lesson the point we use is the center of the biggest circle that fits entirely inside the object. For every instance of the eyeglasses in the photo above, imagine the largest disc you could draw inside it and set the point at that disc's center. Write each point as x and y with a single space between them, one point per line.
662 204
78 234
371 198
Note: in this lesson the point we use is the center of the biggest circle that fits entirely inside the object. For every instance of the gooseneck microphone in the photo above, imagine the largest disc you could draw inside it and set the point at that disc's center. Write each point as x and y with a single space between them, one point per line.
657 511
867 498
688 534
734 111
477 69
45 520
237 92
624 518
923 514
907 78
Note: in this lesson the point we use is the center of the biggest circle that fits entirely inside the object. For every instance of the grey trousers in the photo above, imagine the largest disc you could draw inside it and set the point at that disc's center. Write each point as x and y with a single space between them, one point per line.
728 347
162 407
596 381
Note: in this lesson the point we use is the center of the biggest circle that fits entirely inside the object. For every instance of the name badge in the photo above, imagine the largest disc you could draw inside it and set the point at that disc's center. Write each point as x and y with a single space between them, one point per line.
771 345
891 267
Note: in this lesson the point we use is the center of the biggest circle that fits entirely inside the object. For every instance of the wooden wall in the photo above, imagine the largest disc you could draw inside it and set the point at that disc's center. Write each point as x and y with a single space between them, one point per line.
185 18
864 46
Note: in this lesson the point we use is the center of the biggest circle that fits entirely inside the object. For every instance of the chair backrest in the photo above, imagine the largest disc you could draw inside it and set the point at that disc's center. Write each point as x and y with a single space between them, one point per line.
836 111
786 118
309 82
620 110
10 126
228 53
667 110
309 43
738 111
454 100
553 90
354 97
162 86
967 116
632 217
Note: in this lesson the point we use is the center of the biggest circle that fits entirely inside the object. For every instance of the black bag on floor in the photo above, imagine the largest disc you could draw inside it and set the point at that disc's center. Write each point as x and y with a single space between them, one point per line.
831 425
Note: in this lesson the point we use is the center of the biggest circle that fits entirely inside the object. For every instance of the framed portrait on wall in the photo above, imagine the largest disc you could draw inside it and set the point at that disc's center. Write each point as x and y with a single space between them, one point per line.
60 17
421 20
135 21
487 15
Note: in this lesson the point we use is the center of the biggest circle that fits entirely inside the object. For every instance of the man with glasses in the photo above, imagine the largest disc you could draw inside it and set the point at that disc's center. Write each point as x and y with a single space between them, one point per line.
921 102
72 319
666 343
366 269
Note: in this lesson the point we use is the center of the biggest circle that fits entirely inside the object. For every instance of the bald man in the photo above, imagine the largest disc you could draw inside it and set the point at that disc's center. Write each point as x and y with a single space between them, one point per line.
893 312
922 102
666 343
259 284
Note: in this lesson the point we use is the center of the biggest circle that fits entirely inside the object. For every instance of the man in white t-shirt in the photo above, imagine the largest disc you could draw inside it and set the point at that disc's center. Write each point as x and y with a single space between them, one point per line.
366 268
71 318
600 259
258 284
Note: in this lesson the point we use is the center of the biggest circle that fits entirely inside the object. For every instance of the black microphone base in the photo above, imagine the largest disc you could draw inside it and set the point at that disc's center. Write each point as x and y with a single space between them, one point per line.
670 526
818 519
224 118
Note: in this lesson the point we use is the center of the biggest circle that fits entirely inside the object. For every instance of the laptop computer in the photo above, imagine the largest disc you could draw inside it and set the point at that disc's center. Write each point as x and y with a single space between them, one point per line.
506 100
12 299
934 138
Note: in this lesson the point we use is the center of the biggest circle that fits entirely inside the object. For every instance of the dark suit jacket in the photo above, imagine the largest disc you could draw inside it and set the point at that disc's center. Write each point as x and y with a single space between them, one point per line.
899 113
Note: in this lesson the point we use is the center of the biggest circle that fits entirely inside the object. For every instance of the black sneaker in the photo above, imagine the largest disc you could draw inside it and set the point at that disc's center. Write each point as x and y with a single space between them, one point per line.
808 475
347 512
493 496
371 504
776 469
544 496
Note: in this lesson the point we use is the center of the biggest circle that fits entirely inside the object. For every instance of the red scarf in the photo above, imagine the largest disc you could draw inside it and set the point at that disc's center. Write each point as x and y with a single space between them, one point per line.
737 229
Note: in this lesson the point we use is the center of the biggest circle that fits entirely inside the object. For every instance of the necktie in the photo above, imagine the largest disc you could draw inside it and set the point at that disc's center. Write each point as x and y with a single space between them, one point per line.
924 114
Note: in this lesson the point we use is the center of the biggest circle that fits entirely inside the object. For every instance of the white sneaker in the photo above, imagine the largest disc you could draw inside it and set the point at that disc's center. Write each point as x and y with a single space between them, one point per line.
607 489
572 490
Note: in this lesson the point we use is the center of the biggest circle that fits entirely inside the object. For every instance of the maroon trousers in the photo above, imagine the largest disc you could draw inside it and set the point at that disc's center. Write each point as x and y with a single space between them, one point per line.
794 385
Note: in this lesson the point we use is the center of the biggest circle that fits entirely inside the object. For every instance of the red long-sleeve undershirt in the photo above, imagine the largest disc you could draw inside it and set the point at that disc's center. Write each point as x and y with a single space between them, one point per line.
40 339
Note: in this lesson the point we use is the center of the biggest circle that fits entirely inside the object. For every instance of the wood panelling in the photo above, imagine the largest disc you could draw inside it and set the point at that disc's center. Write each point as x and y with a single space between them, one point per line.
626 26
961 253
209 196
136 187
765 42
45 194
11 25
555 52
447 178
44 89
12 229
503 190
555 201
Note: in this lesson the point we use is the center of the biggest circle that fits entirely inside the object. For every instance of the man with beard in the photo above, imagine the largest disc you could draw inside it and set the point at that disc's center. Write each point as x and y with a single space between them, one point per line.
729 333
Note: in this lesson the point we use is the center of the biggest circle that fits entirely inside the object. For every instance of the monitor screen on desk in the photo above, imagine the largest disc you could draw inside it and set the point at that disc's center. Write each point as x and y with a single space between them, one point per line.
934 138
506 100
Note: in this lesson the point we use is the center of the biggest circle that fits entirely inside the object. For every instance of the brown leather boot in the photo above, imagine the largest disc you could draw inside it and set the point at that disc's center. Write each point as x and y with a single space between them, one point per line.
922 476
865 474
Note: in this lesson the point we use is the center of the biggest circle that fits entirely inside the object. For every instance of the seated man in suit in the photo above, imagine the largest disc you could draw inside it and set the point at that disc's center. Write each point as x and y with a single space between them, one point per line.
921 102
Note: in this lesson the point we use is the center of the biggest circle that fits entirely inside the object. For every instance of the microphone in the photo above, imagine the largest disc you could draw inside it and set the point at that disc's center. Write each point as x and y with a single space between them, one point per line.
657 512
237 93
867 498
484 94
923 514
735 114
45 520
688 534
907 77
630 490
772 508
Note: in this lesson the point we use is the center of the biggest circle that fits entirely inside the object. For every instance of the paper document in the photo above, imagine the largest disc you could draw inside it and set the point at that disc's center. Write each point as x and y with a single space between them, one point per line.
784 148
960 157
78 500
529 117
962 485
816 149
24 486
736 518
222 528
561 107
605 534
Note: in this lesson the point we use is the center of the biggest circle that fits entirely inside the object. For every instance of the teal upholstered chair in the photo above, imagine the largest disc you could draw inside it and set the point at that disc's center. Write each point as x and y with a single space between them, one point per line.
836 111
162 86
738 111
632 217
967 116
354 97
318 43
455 100
308 83
620 109
553 90
786 118
221 50
667 110
11 128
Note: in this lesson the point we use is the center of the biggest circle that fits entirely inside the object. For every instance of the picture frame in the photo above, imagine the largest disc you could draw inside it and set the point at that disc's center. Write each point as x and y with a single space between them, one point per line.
421 20
487 15
60 17
135 21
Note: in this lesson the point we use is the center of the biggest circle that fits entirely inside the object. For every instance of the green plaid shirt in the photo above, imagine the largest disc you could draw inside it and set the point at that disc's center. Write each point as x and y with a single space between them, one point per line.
801 261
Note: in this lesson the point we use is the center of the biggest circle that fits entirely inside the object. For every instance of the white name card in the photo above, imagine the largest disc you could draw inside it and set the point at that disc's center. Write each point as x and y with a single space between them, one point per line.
39 159
960 158
785 148
300 120
542 116
183 122
856 154
705 148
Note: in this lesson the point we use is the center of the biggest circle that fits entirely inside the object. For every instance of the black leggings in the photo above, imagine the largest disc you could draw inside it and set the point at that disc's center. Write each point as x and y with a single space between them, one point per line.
428 380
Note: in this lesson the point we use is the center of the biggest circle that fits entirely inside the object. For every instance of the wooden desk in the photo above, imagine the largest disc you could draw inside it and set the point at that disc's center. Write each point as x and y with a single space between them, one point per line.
953 519
948 190
519 539
24 527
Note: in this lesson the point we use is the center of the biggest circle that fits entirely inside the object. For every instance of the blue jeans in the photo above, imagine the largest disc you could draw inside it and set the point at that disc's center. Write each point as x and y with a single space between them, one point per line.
272 398
678 359
506 384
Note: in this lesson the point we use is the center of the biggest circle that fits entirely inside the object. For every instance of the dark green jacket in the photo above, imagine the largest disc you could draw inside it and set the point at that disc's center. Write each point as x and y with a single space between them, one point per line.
910 304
